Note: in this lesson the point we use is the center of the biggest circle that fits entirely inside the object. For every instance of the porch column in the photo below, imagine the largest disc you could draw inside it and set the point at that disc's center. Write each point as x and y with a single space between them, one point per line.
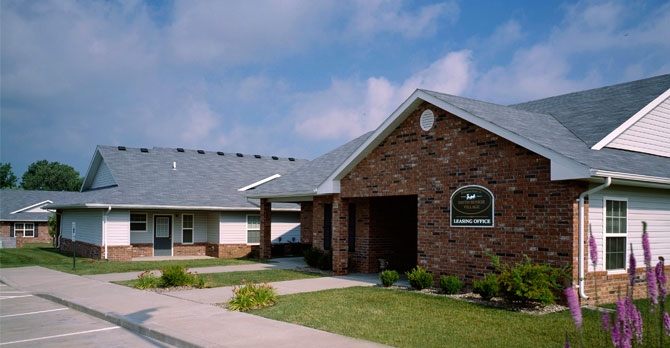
340 244
266 229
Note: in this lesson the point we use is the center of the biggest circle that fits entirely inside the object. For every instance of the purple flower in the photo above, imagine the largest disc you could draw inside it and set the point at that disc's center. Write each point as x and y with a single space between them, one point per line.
593 250
646 248
652 287
666 323
575 310
632 266
635 319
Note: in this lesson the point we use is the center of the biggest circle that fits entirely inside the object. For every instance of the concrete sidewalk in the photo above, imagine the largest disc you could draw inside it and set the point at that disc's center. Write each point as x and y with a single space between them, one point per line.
187 319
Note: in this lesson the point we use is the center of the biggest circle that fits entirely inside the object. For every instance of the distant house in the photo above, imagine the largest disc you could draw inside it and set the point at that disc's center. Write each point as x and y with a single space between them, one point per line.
446 181
139 202
23 217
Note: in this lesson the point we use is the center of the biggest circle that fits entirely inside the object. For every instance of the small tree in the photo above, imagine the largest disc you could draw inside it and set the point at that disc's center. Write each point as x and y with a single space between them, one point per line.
51 176
52 222
7 177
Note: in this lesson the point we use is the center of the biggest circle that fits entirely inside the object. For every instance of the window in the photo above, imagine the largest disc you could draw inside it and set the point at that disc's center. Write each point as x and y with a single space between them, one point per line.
253 229
138 222
26 229
187 229
616 232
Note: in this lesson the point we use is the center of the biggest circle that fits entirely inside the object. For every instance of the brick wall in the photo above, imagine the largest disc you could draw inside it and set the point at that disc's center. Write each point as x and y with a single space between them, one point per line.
533 215
306 221
114 253
195 249
42 231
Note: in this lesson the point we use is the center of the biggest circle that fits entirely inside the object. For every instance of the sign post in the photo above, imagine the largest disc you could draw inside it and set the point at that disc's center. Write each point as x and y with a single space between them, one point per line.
74 245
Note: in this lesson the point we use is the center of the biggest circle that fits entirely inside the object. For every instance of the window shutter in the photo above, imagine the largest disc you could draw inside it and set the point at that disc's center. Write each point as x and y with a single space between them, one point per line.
11 230
35 228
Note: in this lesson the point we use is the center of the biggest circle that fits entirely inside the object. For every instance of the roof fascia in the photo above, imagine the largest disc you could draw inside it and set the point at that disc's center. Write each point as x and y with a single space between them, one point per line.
96 160
631 121
562 167
259 182
629 179
157 207
31 206
278 197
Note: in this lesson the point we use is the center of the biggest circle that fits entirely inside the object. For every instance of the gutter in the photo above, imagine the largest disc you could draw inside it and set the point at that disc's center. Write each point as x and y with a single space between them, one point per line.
608 182
104 228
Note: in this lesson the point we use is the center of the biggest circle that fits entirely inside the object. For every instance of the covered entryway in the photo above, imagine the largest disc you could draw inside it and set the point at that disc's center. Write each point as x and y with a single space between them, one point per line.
162 235
393 231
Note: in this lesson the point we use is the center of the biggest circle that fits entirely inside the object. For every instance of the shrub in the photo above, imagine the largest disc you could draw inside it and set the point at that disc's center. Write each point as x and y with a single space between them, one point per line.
388 277
250 296
450 285
526 282
317 258
179 276
419 278
147 280
486 288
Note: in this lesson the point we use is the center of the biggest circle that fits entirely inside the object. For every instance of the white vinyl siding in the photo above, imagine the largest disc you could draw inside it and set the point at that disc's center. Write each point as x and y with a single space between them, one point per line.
649 134
233 227
213 227
89 225
118 226
103 177
651 206
285 228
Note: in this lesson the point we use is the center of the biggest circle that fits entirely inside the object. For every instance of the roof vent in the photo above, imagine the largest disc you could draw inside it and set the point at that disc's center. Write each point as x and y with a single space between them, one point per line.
275 158
202 152
144 149
180 149
219 153
239 155
291 159
427 120
122 148
257 156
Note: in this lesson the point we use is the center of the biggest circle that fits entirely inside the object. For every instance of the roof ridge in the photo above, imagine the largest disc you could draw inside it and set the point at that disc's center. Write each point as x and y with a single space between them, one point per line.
200 151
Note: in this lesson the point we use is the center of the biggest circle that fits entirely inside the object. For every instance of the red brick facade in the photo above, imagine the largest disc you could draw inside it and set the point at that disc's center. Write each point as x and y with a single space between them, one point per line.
41 233
534 216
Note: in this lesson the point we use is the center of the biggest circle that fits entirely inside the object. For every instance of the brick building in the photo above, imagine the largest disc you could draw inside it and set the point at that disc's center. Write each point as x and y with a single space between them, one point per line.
446 181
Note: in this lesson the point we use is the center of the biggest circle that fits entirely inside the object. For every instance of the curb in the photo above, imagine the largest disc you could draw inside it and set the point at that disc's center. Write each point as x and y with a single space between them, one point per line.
120 321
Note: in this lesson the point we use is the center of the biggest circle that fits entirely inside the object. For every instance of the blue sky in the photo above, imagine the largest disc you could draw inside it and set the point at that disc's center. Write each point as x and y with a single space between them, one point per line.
291 78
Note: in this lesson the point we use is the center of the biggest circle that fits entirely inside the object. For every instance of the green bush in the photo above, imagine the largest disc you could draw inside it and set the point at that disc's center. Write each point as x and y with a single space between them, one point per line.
450 285
487 288
389 277
147 280
177 275
317 258
526 282
419 278
251 296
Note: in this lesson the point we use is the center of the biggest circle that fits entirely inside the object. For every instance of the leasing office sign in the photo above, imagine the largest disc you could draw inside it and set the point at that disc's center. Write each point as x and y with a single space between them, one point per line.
472 206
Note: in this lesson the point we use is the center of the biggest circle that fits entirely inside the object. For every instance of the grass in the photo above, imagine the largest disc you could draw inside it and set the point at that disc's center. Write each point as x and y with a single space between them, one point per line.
214 280
45 255
411 319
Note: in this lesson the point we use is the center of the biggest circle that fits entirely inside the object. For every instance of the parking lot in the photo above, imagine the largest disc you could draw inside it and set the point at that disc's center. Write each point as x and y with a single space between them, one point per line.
27 320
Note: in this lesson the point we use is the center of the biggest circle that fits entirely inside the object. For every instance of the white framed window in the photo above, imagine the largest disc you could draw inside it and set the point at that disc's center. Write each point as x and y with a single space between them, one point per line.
615 228
26 229
187 229
138 222
253 229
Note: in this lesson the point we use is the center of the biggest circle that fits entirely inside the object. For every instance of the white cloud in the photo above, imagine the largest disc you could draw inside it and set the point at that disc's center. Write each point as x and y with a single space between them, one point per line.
349 108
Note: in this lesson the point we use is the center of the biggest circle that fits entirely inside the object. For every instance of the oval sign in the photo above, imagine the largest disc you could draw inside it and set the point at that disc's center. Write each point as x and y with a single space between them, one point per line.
472 206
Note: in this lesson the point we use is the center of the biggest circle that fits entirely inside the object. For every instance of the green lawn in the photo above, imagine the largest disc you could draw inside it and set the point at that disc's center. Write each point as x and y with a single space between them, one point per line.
410 319
46 256
214 280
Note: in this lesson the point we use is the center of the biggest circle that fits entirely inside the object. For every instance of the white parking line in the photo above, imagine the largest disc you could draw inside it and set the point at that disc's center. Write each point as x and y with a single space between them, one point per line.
63 335
2 297
29 313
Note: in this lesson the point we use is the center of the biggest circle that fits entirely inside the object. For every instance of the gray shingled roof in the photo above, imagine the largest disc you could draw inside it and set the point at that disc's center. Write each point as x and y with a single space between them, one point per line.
207 180
13 200
593 114
567 125
308 177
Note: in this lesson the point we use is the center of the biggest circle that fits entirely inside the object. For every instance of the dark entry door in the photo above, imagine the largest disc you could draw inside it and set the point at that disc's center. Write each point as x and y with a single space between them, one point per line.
162 235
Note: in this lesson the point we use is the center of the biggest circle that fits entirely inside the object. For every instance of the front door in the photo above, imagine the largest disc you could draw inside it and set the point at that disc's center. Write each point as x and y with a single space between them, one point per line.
162 235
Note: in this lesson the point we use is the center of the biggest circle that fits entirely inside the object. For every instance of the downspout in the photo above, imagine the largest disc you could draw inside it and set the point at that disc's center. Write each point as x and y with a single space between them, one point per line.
608 182
104 228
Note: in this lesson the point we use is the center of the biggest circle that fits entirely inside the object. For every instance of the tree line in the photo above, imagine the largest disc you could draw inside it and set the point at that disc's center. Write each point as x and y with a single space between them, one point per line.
43 176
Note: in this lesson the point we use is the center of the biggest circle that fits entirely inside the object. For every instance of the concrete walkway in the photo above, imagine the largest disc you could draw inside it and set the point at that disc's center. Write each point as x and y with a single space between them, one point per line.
184 318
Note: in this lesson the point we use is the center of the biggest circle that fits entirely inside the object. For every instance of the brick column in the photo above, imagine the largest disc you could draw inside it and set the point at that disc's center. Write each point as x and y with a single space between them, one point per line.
266 229
340 245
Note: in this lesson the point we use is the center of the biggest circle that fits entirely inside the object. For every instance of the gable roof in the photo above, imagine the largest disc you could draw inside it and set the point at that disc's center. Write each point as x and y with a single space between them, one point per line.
23 205
562 128
170 178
